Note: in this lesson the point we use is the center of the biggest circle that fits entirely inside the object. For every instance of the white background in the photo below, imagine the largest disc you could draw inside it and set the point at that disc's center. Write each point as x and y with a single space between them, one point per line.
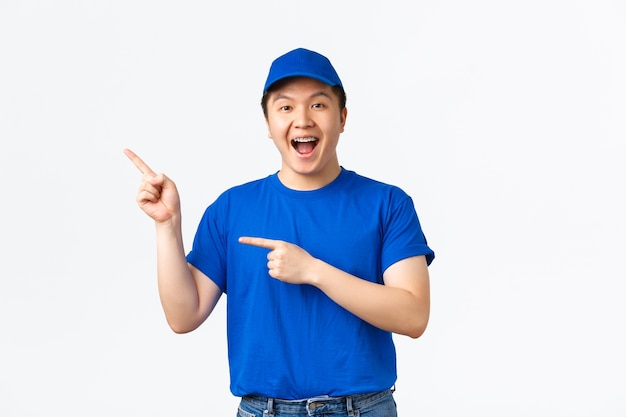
504 120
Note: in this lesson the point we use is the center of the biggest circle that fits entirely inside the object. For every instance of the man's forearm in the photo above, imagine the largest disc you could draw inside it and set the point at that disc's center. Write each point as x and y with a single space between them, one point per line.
177 288
395 309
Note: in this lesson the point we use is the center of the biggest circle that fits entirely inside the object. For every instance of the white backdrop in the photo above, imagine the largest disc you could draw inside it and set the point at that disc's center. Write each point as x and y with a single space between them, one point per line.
504 120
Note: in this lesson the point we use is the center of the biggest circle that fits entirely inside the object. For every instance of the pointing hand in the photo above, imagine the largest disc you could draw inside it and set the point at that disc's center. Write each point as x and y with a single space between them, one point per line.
286 262
157 195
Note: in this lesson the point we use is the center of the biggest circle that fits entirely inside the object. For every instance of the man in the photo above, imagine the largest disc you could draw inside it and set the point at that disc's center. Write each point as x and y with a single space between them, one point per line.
320 264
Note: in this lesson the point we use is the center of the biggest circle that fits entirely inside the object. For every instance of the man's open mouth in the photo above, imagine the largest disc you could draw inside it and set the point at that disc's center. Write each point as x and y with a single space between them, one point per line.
304 145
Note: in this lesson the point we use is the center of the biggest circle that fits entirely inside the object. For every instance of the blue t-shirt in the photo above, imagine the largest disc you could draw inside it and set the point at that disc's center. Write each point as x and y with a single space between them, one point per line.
292 341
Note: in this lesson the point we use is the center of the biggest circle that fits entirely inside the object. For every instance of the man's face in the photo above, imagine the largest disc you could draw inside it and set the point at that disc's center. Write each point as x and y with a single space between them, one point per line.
304 121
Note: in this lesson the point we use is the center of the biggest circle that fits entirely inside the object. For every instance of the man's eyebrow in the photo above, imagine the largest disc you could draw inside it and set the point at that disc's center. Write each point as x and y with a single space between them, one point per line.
280 96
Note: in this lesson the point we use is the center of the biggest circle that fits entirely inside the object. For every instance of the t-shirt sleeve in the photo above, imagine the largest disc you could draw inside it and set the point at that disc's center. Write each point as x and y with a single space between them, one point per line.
403 235
208 252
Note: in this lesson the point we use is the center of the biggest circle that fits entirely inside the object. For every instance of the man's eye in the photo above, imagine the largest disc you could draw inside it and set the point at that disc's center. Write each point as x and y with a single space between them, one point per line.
285 108
318 106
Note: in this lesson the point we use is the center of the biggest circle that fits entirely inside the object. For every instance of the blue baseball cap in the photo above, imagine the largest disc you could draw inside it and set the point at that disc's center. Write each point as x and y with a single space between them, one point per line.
302 63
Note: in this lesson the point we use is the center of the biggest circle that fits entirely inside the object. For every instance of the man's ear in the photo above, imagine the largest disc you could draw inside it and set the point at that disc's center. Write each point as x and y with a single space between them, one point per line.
267 124
344 116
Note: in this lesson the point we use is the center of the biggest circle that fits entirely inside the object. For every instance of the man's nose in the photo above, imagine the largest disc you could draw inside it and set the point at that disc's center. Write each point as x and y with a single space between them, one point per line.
303 118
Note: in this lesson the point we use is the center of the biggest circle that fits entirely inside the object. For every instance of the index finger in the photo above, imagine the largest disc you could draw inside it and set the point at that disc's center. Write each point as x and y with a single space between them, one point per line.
139 163
259 241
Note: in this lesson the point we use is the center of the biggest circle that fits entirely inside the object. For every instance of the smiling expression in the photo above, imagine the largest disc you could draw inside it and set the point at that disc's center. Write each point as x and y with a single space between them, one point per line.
304 121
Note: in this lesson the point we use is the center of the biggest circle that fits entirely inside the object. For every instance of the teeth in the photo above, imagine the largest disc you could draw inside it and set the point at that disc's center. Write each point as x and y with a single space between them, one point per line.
301 140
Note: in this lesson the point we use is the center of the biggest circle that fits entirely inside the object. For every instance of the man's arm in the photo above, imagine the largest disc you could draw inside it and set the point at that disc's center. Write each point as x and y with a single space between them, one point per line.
187 295
401 306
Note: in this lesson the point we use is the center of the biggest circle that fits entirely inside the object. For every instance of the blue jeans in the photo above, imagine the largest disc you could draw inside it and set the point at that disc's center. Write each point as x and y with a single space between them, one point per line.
378 404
